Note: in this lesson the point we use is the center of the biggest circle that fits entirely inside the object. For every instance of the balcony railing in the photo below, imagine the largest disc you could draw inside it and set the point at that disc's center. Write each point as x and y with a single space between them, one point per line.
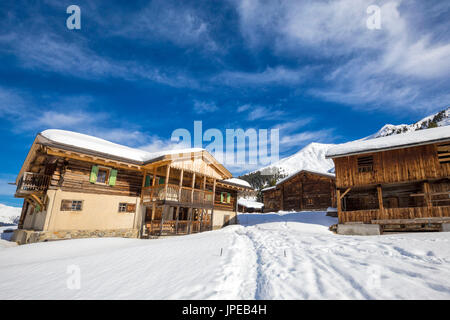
175 194
32 182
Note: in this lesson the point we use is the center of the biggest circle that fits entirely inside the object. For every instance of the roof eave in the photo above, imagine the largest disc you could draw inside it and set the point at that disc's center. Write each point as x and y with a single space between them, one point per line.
387 148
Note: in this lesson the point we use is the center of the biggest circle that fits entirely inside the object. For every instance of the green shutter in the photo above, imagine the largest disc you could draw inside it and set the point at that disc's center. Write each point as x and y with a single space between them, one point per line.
94 172
228 197
221 197
161 180
148 181
112 177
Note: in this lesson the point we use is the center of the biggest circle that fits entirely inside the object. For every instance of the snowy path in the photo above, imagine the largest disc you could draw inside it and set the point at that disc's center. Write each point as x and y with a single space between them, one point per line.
269 256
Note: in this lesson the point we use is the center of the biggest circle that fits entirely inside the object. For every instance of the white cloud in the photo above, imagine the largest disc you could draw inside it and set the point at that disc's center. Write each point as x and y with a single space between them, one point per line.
201 107
294 140
402 65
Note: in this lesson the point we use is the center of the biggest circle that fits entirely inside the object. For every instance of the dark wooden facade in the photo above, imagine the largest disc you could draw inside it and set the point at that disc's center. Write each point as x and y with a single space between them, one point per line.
305 190
403 183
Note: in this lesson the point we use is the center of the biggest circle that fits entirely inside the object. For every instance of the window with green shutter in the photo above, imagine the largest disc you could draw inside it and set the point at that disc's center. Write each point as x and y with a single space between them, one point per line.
94 172
112 177
228 197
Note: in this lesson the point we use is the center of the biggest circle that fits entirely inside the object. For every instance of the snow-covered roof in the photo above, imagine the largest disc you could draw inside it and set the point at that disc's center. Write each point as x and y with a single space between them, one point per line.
268 188
404 140
238 182
248 203
97 145
326 174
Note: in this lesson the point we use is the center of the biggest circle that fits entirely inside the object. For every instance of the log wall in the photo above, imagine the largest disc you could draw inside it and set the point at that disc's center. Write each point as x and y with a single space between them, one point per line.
401 165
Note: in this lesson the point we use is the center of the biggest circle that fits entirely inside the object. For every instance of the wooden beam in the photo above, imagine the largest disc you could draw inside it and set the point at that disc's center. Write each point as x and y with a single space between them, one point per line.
177 215
180 184
96 160
166 183
380 202
213 201
39 201
143 185
346 191
339 204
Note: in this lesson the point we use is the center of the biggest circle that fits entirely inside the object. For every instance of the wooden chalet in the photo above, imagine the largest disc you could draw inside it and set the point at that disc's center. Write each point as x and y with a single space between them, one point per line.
76 185
303 190
400 182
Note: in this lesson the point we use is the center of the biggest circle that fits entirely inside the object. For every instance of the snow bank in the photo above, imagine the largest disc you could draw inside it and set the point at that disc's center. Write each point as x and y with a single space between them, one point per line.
248 203
9 215
95 144
390 142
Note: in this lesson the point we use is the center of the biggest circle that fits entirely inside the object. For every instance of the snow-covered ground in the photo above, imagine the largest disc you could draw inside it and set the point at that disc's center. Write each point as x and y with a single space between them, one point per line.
9 215
269 256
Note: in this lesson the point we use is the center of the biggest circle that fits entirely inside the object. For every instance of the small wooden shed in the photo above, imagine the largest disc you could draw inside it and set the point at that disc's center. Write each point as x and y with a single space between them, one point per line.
303 190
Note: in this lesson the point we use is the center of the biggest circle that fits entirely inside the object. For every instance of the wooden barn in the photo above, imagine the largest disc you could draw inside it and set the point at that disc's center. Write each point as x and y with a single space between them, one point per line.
76 186
303 190
400 182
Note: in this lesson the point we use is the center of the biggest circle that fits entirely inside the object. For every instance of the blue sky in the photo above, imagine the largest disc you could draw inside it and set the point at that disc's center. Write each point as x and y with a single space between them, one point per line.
138 70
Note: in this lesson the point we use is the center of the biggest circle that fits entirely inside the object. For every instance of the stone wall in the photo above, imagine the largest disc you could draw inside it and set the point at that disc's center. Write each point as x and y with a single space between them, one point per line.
22 236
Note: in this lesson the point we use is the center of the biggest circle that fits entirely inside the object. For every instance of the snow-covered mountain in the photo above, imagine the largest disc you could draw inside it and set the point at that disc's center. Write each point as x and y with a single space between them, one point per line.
438 119
9 215
311 157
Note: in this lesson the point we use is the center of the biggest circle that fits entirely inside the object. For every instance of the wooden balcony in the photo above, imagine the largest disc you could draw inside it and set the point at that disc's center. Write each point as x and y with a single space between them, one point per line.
177 194
32 183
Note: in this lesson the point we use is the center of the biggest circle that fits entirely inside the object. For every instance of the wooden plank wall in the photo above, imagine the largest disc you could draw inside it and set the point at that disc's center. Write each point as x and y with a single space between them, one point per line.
366 216
74 175
295 192
408 164
225 206
271 199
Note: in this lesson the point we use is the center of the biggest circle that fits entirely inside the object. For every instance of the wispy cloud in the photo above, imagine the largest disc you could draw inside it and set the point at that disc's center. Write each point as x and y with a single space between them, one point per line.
201 107
278 75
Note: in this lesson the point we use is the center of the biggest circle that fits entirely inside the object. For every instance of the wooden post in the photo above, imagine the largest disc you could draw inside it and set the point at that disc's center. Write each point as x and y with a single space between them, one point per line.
143 185
176 223
153 183
163 212
166 183
282 198
339 203
204 188
213 201
427 195
180 185
192 201
153 216
192 186
301 195
380 203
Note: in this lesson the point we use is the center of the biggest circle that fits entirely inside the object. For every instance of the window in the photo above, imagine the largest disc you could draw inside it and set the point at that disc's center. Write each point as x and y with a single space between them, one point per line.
127 207
225 197
309 201
102 175
365 164
443 152
71 205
